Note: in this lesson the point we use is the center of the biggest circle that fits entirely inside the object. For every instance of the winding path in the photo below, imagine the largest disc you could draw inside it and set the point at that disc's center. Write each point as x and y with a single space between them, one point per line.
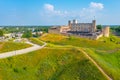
94 62
36 47
22 51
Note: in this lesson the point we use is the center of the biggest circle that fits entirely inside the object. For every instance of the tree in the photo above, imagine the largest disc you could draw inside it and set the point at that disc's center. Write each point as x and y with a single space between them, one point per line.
36 34
1 33
99 26
27 34
118 29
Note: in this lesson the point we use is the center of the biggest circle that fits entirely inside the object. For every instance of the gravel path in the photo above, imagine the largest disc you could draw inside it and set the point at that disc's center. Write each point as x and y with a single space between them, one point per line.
22 51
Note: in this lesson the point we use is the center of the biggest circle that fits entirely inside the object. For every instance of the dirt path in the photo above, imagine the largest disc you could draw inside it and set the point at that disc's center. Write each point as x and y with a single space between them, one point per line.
100 69
22 51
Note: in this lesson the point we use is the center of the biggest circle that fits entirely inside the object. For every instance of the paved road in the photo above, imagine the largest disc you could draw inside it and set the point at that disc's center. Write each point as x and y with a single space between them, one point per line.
22 51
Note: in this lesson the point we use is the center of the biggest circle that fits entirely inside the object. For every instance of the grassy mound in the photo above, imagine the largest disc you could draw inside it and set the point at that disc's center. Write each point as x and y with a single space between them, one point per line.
49 64
36 41
60 61
11 46
80 42
106 51
108 60
52 38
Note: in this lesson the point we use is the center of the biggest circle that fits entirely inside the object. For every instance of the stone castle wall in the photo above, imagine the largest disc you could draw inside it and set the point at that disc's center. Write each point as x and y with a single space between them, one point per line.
82 27
86 30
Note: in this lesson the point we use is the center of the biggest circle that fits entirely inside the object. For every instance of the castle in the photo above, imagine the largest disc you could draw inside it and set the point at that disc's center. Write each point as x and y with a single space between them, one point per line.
87 30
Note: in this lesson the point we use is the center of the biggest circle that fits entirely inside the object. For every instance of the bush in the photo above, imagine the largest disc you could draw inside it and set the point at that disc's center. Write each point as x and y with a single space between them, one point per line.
25 68
1 33
27 34
16 70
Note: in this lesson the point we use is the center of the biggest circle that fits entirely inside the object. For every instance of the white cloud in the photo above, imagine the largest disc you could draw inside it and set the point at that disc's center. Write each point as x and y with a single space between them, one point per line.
49 10
95 5
50 13
94 9
48 7
88 12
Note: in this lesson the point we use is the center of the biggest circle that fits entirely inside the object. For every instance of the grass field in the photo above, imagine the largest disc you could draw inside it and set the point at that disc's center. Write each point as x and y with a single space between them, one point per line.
53 38
11 46
60 60
108 60
103 44
106 51
36 41
49 64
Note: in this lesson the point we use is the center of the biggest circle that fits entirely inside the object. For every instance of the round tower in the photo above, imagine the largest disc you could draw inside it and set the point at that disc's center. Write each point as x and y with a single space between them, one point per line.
69 23
94 25
106 31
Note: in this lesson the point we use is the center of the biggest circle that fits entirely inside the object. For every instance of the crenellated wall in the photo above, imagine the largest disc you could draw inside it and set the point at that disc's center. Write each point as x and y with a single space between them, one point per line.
82 27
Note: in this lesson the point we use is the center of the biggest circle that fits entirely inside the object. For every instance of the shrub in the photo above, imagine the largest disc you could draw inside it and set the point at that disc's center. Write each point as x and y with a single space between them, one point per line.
25 68
16 70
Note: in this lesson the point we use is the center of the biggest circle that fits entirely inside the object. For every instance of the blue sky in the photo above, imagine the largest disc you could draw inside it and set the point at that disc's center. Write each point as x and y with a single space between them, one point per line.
58 12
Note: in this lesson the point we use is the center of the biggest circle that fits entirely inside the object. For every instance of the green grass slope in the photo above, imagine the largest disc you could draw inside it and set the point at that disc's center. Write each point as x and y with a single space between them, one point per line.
108 60
49 64
105 51
36 41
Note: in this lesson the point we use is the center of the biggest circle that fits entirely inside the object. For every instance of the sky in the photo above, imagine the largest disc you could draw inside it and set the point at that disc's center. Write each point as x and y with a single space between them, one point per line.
58 12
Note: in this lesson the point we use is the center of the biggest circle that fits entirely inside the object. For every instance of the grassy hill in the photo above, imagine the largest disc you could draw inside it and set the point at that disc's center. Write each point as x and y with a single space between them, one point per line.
106 51
11 46
53 38
49 64
61 60
102 44
108 60
36 41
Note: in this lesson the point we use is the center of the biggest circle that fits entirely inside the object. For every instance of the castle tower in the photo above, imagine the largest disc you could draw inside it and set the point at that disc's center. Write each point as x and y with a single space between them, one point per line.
106 31
74 21
94 25
69 23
